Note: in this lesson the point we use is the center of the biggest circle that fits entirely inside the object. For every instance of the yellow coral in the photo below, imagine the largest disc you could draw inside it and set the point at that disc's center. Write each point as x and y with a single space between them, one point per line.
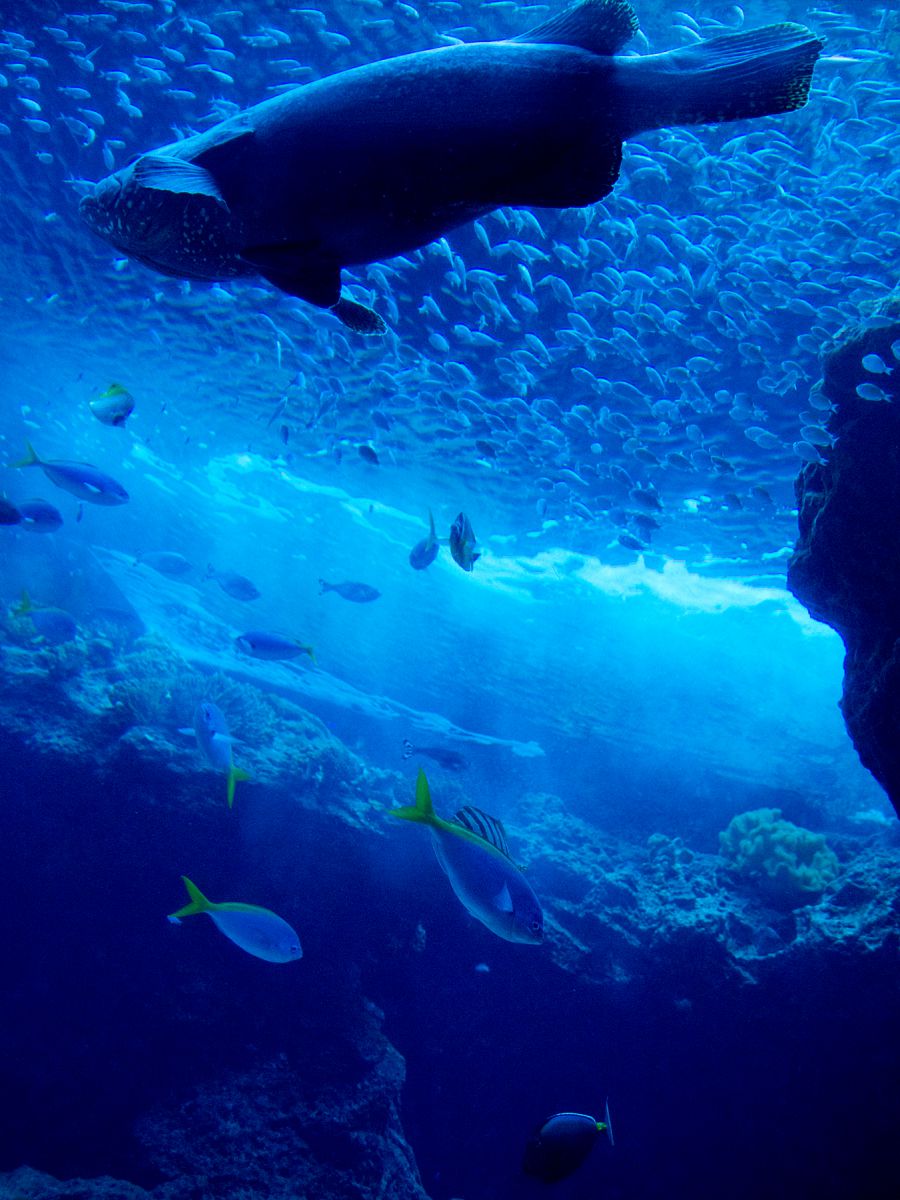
796 863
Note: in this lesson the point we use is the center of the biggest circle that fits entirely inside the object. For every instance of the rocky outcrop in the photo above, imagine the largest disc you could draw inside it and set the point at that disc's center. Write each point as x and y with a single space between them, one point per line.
166 1058
846 565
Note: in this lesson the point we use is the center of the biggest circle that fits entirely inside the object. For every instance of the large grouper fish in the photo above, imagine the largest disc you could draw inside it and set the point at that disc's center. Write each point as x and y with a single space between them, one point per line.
381 159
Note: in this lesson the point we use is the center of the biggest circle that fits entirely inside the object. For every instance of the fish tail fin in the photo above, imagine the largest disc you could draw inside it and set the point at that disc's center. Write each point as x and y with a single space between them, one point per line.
755 73
30 460
235 776
605 1126
324 587
24 606
422 811
408 748
198 904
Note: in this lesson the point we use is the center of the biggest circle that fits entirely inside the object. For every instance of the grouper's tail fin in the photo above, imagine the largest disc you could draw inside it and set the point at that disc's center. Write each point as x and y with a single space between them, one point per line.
754 74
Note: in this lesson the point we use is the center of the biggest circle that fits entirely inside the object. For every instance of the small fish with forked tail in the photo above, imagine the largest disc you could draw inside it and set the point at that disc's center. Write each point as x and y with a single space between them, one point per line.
259 931
359 593
211 730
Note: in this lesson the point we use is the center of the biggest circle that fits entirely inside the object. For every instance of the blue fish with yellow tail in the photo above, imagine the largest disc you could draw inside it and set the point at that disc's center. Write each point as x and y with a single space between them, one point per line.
83 480
473 853
213 738
259 931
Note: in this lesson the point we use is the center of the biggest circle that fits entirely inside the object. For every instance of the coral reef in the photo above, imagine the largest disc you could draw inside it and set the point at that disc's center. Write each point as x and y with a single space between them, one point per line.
793 865
846 564
192 1071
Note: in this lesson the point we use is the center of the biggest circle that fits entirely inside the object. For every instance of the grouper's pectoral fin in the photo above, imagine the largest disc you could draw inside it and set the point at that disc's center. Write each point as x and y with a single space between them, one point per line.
166 173
302 272
600 26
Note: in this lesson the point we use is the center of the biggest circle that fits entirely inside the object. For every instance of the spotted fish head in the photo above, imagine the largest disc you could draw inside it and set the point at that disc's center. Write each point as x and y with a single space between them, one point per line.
167 222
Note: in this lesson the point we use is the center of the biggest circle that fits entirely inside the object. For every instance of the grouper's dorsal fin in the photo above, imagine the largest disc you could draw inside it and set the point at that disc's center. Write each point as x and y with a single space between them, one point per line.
488 828
600 26
166 173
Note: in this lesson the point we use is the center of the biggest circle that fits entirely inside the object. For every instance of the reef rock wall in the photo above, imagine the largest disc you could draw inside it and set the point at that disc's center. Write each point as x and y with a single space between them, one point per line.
846 565
410 1051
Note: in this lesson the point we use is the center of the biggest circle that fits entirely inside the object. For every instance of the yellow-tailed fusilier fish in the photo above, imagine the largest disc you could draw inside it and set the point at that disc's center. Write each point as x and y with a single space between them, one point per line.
213 738
260 932
473 853
83 480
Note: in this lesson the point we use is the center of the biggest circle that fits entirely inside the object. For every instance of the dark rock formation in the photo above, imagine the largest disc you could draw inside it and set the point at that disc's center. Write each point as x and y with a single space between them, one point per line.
165 1057
846 565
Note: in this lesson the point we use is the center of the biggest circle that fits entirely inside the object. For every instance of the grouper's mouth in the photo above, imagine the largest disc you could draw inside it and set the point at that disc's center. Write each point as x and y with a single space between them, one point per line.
95 209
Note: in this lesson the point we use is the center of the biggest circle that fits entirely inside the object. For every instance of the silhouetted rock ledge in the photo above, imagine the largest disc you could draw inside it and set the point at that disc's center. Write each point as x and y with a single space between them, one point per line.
846 565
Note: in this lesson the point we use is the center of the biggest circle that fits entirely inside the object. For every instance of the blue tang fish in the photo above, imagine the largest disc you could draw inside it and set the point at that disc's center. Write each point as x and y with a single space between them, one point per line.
83 480
257 930
473 853
381 159
213 738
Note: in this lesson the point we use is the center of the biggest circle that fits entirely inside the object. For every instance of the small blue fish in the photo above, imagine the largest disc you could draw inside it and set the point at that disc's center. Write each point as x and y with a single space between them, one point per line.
359 593
257 930
40 516
462 543
473 854
239 587
114 406
271 646
213 738
54 625
425 552
166 562
83 480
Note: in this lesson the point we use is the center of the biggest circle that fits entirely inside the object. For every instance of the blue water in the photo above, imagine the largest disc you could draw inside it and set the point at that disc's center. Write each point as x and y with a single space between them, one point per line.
619 398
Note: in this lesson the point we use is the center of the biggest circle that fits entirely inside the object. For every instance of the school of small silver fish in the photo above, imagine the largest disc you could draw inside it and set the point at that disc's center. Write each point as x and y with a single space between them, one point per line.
639 374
